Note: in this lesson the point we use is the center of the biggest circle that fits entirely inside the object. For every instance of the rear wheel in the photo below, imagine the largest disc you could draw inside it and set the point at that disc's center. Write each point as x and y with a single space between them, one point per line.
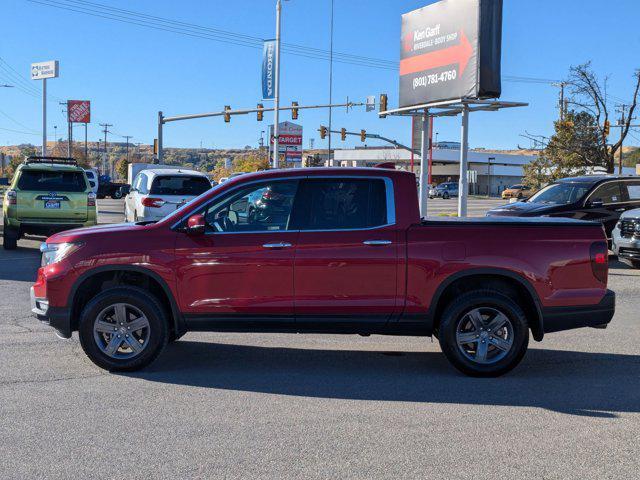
635 263
484 333
117 195
123 329
445 195
9 238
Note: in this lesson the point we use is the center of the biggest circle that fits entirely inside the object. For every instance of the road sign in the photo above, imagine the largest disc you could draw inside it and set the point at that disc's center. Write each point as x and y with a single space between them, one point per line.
289 140
42 70
451 50
371 103
79 111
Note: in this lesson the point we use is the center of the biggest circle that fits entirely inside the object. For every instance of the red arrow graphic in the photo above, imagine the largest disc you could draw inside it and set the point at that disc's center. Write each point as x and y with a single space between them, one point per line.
459 54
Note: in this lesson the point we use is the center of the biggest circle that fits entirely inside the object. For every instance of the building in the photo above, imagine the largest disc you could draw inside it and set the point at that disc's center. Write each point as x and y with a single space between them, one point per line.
496 171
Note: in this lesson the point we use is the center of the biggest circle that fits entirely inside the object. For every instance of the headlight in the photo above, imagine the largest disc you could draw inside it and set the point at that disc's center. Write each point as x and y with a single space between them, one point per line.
54 252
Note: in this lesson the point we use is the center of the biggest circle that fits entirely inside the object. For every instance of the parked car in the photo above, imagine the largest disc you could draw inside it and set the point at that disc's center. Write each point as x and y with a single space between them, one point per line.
597 197
445 190
626 237
47 195
351 255
156 193
518 191
107 188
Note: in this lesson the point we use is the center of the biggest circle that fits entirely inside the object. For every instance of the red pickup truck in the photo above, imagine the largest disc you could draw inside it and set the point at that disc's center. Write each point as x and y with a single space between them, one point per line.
332 250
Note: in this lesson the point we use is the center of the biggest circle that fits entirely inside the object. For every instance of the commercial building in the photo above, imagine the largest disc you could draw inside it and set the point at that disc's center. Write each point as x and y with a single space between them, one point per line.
494 171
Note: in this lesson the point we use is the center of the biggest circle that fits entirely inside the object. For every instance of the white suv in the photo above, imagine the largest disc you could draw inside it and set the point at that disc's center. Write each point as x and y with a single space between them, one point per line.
626 237
155 193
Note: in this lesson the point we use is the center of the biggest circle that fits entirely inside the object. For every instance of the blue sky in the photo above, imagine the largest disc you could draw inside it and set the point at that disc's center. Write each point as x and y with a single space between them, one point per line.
130 72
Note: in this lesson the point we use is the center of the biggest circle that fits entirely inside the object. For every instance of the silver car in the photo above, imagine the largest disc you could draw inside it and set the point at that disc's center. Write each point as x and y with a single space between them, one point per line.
626 237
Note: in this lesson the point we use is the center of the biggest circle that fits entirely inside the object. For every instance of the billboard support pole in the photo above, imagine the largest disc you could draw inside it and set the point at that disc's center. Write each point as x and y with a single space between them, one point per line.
44 117
276 99
424 163
463 182
86 149
430 150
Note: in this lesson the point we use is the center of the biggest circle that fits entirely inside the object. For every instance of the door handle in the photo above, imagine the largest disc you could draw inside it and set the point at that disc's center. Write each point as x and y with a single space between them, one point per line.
277 245
375 243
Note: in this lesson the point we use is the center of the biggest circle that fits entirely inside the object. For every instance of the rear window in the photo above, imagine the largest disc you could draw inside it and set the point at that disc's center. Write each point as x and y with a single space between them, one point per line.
52 181
179 185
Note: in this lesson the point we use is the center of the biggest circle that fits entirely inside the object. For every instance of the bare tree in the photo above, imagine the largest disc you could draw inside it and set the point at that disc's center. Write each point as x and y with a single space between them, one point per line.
582 137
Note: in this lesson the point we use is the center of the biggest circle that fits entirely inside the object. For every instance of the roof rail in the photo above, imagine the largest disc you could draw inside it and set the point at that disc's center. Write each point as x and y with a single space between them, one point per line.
59 160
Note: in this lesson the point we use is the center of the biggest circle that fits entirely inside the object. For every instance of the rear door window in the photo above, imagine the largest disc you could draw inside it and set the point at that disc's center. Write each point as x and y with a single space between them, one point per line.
52 181
609 193
633 191
340 204
179 185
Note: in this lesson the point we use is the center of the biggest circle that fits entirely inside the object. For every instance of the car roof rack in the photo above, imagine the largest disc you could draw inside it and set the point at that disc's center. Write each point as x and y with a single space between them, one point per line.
58 160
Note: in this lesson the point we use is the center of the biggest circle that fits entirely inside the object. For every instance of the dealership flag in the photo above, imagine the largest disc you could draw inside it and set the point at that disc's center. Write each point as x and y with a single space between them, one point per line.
268 70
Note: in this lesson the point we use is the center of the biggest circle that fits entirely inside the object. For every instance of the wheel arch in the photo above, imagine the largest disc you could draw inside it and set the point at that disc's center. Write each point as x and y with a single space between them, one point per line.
478 278
116 275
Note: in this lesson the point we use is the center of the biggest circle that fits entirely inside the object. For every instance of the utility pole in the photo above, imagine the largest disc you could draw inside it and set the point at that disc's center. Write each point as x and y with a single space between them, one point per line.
69 134
276 98
622 109
330 81
104 157
127 137
562 105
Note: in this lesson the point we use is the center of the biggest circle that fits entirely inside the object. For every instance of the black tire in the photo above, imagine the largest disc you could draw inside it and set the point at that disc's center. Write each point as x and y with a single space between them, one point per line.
445 196
117 195
9 239
100 196
520 196
635 263
456 313
149 305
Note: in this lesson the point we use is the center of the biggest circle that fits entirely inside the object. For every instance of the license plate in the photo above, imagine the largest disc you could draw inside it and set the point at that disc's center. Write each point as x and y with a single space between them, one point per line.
52 204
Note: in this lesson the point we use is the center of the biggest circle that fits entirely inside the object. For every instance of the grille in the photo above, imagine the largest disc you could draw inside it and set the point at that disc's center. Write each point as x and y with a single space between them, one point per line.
628 228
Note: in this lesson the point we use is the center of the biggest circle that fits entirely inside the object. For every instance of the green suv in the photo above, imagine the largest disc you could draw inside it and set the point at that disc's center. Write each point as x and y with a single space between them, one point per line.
47 195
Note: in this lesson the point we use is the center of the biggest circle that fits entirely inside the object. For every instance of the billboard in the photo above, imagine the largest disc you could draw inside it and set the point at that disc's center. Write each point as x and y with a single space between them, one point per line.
42 70
289 141
449 50
79 111
268 70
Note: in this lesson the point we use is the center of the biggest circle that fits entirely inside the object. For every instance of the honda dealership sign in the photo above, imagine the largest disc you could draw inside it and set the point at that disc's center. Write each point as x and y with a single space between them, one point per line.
450 50
268 69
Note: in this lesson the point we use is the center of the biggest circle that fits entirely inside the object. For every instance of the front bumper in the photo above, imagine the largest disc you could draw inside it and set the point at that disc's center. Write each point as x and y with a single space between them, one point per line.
557 319
57 317
625 247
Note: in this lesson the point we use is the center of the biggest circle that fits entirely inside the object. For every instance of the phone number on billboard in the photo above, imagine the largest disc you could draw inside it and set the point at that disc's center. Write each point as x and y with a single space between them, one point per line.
434 78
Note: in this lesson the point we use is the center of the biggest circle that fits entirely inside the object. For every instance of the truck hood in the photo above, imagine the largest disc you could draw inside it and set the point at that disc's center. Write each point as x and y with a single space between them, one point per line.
79 234
634 213
522 208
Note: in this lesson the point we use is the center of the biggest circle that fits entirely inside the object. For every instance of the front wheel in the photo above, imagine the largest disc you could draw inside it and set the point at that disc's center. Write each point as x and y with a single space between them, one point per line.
484 333
117 195
123 329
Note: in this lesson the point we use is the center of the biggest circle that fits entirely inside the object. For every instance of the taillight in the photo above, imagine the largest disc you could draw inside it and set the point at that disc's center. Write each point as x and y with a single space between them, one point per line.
152 202
12 197
91 200
599 253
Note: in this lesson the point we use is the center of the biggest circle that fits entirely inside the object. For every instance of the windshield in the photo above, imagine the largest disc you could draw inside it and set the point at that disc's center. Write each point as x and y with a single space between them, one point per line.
561 193
516 187
179 185
52 181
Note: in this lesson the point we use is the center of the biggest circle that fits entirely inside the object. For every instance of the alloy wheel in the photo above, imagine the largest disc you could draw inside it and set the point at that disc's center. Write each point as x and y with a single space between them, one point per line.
121 331
484 335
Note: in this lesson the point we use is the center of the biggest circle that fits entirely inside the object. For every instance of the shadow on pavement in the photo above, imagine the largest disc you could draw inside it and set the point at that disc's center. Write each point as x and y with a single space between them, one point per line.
20 264
577 383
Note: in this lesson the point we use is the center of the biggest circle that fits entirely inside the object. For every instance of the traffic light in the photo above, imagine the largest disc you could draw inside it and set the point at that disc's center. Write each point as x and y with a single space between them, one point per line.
363 135
383 102
343 134
323 132
607 128
294 111
227 115
260 112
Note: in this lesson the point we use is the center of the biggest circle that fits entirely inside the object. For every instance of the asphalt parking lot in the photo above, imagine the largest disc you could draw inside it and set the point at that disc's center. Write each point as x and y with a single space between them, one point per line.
302 406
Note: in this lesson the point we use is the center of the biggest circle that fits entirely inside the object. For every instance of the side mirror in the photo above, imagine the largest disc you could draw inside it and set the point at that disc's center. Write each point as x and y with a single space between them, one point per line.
196 225
596 203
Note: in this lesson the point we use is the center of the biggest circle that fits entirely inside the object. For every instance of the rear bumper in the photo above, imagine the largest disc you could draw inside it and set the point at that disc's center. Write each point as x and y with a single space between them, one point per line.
57 317
556 319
